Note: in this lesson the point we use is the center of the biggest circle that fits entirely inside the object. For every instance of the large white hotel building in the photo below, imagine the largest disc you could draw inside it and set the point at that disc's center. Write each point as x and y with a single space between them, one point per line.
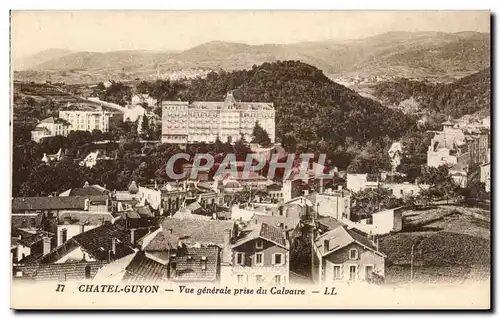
184 122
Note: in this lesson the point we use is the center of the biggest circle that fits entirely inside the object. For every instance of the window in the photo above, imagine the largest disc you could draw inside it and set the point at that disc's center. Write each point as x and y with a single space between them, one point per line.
259 244
19 273
401 191
259 259
368 271
352 272
240 259
259 279
337 272
353 254
239 278
277 259
64 235
277 279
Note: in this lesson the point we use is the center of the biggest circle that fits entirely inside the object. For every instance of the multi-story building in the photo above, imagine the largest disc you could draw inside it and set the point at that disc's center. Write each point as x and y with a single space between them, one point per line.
86 118
345 255
260 256
51 126
458 147
184 122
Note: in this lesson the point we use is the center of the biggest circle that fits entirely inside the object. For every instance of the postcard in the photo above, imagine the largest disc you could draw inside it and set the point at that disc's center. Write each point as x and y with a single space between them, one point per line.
250 160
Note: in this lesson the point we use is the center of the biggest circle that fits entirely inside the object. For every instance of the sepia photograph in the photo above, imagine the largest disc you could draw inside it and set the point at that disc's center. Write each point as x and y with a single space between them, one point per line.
250 159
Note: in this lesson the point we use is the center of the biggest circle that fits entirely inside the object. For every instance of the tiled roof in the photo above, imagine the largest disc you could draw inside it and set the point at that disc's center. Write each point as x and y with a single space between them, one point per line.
97 242
191 266
84 217
85 191
288 222
328 223
53 203
49 272
198 231
144 269
264 231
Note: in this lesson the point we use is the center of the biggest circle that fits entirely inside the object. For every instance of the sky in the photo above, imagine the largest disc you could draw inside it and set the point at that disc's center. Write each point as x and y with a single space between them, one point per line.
100 31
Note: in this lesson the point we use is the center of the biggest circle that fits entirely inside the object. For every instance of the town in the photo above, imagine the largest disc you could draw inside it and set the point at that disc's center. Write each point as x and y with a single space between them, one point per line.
346 224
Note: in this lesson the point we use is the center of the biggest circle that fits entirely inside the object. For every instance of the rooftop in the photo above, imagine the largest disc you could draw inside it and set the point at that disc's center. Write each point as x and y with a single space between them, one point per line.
197 264
264 231
53 202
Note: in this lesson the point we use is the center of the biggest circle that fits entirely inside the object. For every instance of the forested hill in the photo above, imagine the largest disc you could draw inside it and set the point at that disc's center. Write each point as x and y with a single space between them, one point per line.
309 106
464 96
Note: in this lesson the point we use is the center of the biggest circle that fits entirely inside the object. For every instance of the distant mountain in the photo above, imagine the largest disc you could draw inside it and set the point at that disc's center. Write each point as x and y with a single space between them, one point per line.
406 54
32 61
468 95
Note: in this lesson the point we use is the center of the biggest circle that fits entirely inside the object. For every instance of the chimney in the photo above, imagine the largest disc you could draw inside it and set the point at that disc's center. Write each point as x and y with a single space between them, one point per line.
132 236
326 246
47 245
113 245
87 204
226 252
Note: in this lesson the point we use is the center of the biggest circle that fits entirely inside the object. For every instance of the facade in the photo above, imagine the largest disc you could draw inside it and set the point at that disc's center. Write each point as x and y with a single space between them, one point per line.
260 256
345 255
48 158
184 122
86 118
49 127
333 203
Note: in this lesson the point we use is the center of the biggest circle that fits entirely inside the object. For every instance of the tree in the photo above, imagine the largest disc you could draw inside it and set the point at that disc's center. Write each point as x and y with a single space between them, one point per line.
260 135
369 201
97 135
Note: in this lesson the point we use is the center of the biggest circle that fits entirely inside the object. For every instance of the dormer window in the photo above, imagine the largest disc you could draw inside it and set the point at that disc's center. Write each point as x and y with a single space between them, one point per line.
259 244
353 254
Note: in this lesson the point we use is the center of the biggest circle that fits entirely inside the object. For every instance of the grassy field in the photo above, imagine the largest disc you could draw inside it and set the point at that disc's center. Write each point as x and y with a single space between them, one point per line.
452 244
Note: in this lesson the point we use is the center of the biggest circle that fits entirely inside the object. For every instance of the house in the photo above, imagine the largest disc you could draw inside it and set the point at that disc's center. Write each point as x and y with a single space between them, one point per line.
26 246
260 256
346 255
72 223
133 268
49 158
193 211
400 190
358 182
133 112
275 192
49 127
175 232
382 222
485 176
334 203
107 242
42 212
282 222
86 190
